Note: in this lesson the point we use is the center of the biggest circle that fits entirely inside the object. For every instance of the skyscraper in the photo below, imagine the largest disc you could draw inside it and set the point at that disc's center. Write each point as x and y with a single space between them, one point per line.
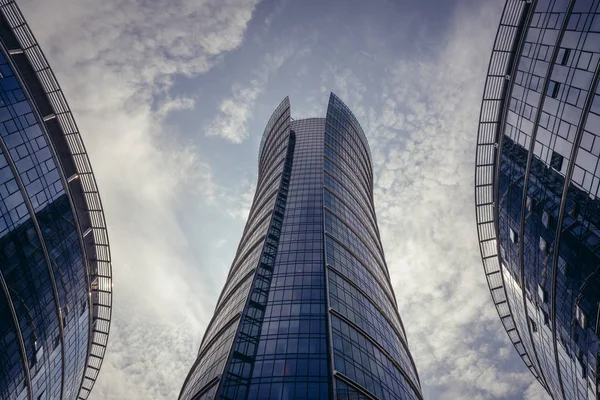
308 311
55 272
536 189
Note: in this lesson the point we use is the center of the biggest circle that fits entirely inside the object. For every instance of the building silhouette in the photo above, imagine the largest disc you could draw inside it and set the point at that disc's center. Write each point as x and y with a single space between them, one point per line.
55 272
536 189
308 310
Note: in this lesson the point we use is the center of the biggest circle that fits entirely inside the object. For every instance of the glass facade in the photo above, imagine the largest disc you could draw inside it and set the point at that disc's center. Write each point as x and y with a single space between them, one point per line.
55 276
536 189
308 311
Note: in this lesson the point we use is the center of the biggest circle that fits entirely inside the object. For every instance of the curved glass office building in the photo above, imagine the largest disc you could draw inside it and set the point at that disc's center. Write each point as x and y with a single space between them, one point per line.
55 272
536 189
308 311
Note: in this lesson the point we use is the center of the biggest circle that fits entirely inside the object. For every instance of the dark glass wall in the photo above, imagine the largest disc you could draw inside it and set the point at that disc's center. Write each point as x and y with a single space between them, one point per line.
363 313
203 379
545 179
49 289
308 311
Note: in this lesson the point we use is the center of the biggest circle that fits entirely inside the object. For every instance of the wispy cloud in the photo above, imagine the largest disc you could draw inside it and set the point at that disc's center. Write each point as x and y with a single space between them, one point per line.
117 61
535 392
423 137
236 110
420 112
421 117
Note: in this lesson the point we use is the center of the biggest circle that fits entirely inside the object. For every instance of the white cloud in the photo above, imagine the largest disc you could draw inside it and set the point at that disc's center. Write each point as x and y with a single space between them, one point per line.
116 61
536 392
346 85
241 203
235 111
143 42
422 138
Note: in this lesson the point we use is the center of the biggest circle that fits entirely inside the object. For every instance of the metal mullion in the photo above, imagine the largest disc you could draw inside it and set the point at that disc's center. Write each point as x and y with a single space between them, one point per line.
45 252
559 221
361 190
524 197
377 256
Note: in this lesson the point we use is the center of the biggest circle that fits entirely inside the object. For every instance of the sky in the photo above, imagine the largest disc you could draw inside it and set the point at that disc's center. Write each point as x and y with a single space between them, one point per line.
172 97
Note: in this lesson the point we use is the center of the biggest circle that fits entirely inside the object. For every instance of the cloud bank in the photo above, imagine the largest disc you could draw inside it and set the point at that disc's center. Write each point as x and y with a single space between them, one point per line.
117 61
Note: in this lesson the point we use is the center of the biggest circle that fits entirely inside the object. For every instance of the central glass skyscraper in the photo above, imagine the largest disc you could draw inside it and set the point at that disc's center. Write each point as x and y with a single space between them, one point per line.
308 310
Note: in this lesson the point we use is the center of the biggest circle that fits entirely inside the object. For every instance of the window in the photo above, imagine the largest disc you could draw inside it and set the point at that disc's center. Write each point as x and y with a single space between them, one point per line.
580 316
530 203
556 161
564 267
542 293
514 236
573 96
543 245
533 325
546 318
546 219
553 21
534 84
563 56
543 52
39 351
584 60
598 330
575 211
552 89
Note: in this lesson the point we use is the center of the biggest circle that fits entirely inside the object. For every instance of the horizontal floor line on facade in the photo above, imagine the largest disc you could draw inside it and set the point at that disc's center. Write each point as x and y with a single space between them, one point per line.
355 385
379 347
401 335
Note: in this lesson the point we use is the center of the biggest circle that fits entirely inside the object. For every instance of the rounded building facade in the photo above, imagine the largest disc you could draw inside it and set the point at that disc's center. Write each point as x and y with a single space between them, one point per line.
308 310
55 271
536 189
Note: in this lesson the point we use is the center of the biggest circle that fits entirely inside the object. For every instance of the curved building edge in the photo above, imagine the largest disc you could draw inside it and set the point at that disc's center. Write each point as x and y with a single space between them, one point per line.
489 135
573 375
336 103
45 94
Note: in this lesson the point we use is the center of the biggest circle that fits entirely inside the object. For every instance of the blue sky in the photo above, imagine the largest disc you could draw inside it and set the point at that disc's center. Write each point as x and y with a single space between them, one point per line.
171 98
